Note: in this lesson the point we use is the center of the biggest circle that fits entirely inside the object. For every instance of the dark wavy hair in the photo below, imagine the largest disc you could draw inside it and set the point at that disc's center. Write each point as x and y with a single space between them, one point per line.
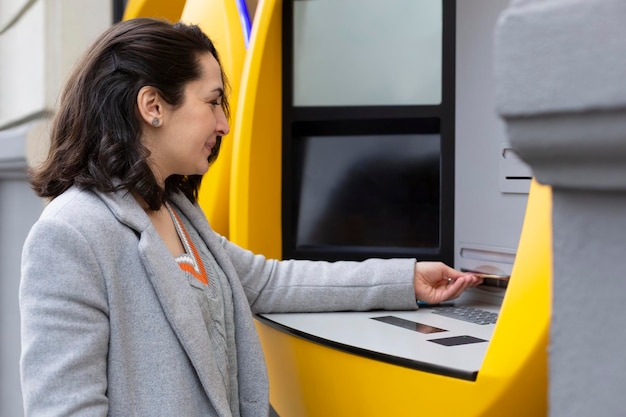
95 138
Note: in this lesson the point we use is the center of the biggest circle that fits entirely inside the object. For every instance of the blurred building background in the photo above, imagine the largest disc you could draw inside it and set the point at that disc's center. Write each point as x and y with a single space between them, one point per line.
39 42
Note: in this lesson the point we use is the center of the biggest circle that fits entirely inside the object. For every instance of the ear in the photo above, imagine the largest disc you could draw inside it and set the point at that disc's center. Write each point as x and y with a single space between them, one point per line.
150 104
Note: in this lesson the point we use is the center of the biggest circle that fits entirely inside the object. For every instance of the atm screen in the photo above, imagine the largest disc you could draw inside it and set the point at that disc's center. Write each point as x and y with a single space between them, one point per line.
367 192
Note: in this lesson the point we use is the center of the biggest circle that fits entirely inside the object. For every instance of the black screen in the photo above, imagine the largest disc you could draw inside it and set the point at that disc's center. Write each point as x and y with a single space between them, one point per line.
367 191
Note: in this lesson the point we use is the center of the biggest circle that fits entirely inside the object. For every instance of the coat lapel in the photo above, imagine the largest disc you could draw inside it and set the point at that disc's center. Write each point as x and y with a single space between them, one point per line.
174 293
252 374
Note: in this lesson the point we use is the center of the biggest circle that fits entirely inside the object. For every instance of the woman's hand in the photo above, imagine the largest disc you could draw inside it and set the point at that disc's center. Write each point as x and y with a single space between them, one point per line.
436 282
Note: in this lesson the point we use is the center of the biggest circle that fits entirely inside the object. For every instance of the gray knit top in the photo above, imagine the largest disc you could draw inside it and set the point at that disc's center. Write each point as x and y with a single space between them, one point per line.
215 301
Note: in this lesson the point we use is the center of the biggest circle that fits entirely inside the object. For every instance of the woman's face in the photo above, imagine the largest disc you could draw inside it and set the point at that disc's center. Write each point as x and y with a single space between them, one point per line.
187 134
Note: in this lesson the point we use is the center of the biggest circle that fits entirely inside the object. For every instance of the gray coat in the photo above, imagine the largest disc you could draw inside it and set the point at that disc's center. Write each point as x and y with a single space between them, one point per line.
108 329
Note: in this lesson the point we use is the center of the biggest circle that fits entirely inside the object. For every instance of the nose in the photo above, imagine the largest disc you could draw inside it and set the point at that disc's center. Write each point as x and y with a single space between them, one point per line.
222 126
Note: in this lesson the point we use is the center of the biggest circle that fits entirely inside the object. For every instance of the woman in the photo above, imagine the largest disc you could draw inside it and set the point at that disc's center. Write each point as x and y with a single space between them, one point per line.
131 304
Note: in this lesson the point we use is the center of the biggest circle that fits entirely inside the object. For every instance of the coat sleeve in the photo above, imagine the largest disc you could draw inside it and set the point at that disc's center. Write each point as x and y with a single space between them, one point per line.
65 327
312 286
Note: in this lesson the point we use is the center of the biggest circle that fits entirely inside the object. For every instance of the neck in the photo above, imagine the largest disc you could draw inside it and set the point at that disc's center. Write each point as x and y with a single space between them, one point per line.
144 205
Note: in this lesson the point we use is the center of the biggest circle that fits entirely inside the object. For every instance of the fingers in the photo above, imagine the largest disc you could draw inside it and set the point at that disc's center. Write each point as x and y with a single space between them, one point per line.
436 282
471 279
455 287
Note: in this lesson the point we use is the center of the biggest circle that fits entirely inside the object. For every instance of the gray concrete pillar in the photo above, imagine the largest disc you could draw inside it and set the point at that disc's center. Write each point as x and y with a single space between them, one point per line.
561 89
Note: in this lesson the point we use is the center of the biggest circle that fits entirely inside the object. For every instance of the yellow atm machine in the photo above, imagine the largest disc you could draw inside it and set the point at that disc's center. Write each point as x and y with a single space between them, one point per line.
164 9
346 126
316 371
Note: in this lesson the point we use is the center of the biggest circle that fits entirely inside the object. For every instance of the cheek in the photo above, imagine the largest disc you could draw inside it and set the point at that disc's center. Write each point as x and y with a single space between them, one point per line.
198 124
203 121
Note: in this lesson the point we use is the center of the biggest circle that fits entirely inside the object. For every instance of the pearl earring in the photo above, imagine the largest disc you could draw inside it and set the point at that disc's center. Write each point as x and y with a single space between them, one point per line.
156 122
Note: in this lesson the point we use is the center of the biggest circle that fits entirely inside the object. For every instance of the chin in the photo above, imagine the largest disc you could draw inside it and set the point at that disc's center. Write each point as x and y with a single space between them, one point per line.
203 170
